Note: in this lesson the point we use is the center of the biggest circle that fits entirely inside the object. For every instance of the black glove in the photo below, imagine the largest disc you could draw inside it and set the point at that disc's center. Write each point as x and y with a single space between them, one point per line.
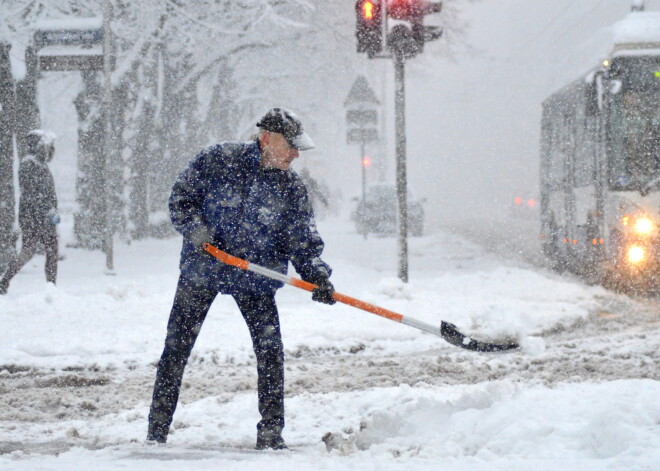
324 291
200 236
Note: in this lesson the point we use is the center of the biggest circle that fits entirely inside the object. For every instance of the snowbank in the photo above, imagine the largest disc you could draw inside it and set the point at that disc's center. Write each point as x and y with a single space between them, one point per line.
77 367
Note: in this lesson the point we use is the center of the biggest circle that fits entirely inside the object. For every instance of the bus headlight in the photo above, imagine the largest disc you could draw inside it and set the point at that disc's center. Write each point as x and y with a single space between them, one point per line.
644 226
636 254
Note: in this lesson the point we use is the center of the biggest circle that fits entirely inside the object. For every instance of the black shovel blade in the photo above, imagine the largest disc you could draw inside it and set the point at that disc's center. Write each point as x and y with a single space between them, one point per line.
450 333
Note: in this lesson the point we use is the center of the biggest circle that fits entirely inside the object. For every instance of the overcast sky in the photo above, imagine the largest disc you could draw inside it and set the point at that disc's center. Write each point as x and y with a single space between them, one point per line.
473 126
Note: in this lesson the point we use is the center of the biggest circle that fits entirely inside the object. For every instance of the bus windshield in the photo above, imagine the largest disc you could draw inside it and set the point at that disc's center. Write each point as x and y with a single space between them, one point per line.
635 124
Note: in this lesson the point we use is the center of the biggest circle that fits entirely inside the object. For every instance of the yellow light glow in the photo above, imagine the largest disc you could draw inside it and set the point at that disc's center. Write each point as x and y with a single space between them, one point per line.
636 254
625 220
644 226
606 63
368 10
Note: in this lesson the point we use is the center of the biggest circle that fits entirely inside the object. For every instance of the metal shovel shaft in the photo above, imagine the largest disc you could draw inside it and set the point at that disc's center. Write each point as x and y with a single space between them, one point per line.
446 330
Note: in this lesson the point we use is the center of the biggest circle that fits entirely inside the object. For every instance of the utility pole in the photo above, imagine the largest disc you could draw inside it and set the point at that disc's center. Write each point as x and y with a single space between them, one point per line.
401 164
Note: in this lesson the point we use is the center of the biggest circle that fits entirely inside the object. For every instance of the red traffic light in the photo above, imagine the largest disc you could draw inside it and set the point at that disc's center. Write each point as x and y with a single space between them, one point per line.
411 10
404 9
366 161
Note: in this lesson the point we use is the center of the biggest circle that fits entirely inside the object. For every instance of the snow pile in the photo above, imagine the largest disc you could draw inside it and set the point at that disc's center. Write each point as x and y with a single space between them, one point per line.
638 27
488 426
495 421
78 24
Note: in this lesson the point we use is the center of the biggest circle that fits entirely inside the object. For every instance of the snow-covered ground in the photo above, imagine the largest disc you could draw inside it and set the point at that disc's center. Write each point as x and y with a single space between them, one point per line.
77 364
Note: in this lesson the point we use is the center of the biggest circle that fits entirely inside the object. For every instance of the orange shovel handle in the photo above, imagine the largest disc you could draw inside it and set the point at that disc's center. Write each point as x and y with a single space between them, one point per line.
446 330
298 283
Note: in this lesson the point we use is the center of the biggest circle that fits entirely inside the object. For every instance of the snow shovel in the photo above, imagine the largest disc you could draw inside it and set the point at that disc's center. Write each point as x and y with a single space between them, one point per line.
447 331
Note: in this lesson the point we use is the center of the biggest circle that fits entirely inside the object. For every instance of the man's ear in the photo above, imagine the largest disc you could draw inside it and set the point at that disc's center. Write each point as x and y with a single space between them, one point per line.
264 138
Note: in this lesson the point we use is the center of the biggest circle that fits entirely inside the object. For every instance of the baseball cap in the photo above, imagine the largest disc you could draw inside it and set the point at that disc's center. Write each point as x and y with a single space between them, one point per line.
286 123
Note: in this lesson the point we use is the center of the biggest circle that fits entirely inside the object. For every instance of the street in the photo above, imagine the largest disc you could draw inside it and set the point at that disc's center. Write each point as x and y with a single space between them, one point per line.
79 385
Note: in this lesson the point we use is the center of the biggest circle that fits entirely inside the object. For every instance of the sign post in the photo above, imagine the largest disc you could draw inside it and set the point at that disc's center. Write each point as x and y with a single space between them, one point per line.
362 121
84 44
74 44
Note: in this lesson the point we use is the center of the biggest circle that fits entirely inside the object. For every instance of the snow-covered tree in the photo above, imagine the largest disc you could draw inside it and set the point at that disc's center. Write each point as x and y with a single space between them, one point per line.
189 73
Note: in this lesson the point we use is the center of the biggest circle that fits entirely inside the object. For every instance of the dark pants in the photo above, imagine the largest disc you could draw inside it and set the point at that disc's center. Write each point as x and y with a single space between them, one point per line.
31 240
191 304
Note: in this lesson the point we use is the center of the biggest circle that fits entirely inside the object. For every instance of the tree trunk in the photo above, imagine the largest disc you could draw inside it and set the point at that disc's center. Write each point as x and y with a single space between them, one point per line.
221 116
116 165
88 221
27 115
139 165
7 199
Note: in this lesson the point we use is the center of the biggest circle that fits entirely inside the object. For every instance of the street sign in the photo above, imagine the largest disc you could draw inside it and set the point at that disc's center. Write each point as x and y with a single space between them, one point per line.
361 117
68 37
361 94
71 44
361 136
362 122
361 113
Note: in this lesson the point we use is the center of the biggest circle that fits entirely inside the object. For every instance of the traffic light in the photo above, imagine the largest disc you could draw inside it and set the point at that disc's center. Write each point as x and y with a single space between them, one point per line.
409 41
366 161
369 27
405 9
412 10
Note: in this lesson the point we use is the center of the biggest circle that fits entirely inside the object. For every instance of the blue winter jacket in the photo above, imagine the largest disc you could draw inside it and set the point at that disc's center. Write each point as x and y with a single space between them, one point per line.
260 214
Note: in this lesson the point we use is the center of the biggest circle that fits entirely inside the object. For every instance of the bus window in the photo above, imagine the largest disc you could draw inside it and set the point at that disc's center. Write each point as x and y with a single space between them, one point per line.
635 136
634 127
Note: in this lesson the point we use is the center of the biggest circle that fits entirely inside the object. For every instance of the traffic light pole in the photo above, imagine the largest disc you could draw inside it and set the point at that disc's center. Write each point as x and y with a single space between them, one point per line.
401 170
403 41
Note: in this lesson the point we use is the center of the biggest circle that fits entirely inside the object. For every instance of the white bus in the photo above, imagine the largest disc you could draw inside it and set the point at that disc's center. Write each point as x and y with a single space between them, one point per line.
600 162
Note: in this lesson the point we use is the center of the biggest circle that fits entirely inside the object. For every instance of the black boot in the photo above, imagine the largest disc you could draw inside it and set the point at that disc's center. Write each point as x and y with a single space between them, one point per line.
156 438
270 439
156 434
